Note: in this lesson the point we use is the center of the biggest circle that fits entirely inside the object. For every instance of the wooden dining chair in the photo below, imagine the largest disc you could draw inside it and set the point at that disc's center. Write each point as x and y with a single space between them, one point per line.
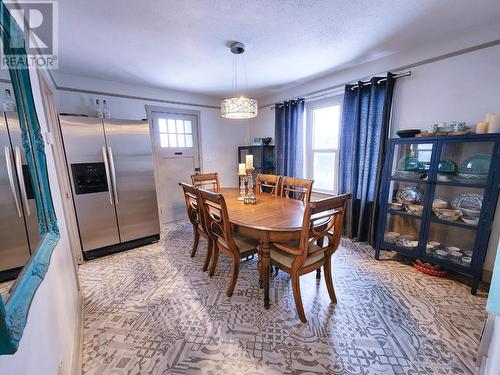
296 188
267 183
197 217
322 224
223 238
206 181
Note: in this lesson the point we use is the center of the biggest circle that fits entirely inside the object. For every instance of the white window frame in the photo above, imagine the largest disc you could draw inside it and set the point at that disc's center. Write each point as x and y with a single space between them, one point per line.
309 151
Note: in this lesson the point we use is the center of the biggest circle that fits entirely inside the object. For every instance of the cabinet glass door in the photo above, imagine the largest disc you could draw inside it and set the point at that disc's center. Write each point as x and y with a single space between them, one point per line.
406 203
465 162
412 160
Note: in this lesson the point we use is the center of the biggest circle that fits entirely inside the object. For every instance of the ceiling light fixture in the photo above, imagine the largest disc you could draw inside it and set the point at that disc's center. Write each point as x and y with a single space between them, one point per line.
238 107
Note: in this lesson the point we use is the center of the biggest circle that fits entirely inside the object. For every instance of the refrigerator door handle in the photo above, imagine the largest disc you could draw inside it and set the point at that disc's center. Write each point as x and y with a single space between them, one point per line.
20 176
108 179
8 161
113 173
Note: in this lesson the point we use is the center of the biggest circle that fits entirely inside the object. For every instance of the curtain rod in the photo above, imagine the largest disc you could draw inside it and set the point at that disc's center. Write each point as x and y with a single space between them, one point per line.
329 91
369 82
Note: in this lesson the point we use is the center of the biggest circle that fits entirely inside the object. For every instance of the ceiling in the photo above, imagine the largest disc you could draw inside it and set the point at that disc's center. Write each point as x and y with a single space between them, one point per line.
182 44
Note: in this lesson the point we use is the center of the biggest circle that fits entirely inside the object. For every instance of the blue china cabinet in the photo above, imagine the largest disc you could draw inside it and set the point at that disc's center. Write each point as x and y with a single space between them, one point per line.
438 200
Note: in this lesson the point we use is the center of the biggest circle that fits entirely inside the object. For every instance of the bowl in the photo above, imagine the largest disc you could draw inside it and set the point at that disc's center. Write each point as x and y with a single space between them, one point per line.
466 260
408 133
434 243
415 209
396 206
471 214
468 253
441 253
447 214
452 249
470 221
440 202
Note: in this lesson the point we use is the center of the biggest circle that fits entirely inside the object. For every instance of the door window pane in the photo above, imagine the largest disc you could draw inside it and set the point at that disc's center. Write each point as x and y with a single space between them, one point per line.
164 140
189 140
162 125
172 140
180 126
171 126
324 170
180 140
326 123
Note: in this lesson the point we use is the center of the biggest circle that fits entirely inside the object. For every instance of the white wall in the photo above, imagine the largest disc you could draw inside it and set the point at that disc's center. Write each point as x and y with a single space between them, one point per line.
459 88
49 336
219 137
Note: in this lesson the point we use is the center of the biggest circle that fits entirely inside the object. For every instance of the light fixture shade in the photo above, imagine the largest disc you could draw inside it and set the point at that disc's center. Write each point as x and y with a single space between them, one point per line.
239 107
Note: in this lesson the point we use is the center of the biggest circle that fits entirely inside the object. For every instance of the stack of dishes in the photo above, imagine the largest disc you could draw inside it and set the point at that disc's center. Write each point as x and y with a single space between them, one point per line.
474 170
470 205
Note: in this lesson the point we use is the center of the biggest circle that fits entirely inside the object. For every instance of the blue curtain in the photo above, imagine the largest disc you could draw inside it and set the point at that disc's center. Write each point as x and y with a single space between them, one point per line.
364 131
288 136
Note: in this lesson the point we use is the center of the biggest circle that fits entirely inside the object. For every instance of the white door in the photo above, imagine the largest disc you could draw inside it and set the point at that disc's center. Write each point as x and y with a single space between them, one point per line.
175 145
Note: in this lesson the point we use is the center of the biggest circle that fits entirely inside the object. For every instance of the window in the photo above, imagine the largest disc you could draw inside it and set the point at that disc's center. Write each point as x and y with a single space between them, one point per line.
175 133
322 144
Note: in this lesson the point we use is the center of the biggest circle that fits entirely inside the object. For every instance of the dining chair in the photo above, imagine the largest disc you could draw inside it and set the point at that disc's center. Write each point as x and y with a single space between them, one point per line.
267 183
319 239
296 188
197 217
223 238
206 181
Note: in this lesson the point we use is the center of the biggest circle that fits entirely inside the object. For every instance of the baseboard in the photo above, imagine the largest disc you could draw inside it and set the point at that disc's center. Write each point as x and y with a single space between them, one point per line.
76 365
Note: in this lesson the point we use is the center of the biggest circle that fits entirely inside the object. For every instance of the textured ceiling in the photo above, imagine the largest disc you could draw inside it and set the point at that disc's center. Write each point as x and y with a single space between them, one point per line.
181 44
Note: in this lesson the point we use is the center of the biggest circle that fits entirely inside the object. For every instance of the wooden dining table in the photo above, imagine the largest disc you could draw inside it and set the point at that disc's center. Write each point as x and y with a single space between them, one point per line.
272 219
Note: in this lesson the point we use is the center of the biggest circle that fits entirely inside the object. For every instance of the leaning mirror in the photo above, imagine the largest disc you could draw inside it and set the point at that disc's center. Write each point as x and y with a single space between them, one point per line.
28 227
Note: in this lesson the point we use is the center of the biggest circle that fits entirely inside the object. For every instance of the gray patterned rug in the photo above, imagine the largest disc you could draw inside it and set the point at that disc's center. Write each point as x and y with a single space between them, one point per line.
152 311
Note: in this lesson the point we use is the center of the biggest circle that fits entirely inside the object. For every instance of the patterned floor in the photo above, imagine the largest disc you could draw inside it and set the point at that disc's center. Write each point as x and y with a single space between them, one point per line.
152 311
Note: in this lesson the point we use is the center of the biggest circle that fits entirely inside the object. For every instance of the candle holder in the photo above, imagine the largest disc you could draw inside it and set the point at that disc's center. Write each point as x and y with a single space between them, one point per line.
242 187
250 197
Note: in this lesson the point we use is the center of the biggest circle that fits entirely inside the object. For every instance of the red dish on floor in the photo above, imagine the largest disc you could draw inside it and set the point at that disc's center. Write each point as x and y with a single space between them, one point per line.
429 271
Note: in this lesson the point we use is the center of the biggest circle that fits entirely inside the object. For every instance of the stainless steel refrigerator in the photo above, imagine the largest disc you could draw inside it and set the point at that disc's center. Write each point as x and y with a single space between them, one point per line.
110 164
19 230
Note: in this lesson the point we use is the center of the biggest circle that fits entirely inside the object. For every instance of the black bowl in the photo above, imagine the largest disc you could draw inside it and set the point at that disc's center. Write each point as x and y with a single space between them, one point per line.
408 133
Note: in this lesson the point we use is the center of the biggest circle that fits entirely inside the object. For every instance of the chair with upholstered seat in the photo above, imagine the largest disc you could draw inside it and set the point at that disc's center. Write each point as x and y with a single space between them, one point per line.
206 181
319 239
223 238
296 188
196 216
267 183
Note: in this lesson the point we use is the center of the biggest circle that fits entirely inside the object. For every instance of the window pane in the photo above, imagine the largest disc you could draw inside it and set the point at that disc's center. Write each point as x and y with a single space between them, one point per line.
171 126
187 127
162 125
189 140
326 123
164 140
324 170
172 140
180 126
180 140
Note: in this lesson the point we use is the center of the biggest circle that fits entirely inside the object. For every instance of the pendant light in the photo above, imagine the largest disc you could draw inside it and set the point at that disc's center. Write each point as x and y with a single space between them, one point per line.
238 107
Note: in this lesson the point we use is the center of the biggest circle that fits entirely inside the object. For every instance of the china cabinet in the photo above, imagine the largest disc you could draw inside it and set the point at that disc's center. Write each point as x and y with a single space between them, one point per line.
263 158
438 200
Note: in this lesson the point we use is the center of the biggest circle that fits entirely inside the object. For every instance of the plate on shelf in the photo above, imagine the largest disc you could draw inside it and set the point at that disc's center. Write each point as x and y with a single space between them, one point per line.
410 195
477 164
468 202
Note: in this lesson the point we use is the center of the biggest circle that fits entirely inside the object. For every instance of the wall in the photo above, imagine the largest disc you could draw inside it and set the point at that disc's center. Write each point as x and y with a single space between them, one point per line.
49 336
463 87
219 137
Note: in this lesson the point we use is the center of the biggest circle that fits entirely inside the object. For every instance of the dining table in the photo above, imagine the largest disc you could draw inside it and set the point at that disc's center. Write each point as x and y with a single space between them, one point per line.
272 218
